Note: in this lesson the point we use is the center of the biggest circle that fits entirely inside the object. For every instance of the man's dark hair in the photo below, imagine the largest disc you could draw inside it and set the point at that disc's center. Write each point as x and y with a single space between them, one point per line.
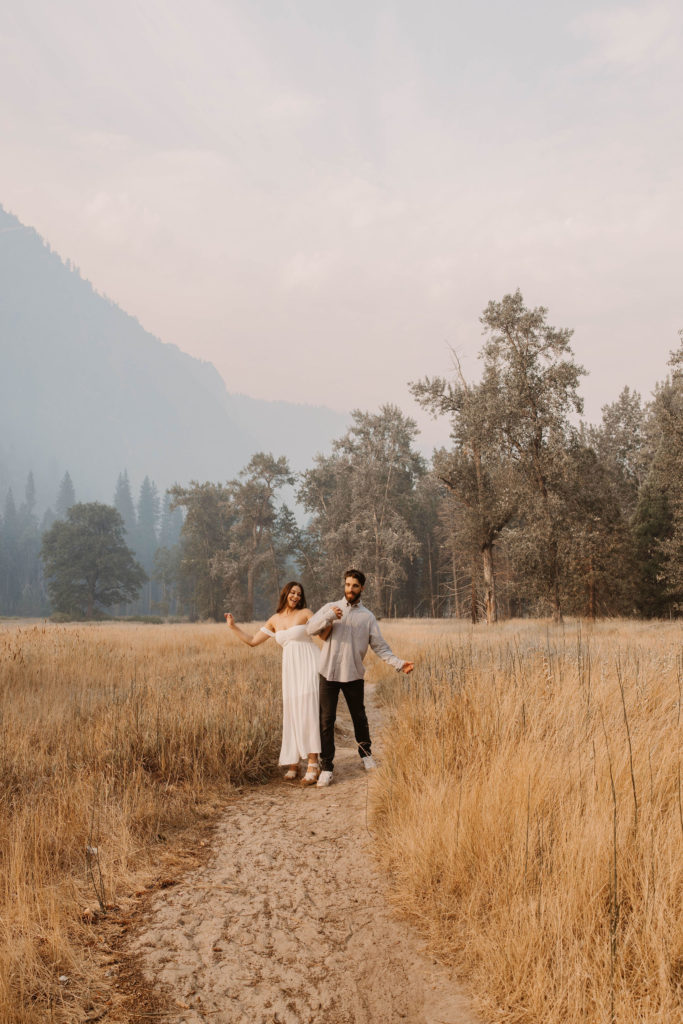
357 575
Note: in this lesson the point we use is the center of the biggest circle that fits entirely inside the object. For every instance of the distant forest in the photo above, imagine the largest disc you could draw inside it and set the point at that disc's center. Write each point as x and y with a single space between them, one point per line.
528 511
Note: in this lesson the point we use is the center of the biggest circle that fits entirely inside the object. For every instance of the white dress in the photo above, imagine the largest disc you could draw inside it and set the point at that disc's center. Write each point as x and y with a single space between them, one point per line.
300 701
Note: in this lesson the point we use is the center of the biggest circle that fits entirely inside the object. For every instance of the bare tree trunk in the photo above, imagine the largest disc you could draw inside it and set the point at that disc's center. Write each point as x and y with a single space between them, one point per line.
489 584
431 578
591 589
249 611
557 608
552 539
473 608
378 584
455 585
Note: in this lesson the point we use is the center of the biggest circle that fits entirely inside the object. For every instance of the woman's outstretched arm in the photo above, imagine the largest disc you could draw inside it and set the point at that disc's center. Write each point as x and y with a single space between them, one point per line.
252 641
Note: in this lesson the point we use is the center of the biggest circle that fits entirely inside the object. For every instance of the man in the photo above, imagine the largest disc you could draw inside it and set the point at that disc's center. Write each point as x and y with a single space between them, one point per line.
341 668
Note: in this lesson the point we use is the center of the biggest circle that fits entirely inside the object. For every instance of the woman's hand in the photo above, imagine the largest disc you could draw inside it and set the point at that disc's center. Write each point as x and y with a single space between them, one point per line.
230 619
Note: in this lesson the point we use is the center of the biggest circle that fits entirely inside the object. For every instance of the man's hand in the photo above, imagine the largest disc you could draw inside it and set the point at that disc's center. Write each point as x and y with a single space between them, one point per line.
229 619
337 611
408 667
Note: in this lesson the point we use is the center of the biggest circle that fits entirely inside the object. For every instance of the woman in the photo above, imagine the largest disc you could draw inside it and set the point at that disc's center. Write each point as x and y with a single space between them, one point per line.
300 715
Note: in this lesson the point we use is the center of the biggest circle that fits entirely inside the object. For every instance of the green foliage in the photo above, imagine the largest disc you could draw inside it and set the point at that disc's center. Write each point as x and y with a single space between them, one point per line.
87 564
361 499
652 524
230 538
525 511
483 481
529 366
209 518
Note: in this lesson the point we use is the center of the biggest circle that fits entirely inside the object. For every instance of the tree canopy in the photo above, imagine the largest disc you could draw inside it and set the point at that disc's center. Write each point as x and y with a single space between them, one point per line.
86 562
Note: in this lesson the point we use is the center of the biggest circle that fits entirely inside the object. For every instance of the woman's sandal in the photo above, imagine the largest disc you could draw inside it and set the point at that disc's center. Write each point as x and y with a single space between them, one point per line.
311 776
291 773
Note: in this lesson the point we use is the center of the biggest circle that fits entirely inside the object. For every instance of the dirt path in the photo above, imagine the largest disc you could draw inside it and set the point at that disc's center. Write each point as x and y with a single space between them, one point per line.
288 923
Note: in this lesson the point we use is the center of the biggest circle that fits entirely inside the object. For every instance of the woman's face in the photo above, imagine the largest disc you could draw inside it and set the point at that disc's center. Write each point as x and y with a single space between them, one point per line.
294 597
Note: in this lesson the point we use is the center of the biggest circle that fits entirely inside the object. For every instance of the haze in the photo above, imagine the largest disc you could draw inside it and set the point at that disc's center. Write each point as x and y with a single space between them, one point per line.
321 198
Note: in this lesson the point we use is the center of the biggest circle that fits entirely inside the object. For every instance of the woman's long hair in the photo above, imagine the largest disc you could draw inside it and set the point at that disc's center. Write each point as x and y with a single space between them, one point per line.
284 594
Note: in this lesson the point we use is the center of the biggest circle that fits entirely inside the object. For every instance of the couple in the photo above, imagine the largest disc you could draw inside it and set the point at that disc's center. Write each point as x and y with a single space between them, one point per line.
312 680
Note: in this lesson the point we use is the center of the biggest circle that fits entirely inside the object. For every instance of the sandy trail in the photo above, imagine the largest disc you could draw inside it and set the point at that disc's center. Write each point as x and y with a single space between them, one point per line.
288 922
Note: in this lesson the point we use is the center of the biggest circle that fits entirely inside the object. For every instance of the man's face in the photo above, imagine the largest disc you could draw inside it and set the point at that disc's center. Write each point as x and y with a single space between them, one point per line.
352 589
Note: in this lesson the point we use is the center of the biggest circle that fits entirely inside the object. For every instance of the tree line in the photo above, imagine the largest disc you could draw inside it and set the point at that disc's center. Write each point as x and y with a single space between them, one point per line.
527 511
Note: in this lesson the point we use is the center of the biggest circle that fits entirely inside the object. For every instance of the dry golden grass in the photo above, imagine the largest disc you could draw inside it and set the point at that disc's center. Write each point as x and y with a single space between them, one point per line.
529 812
495 809
109 737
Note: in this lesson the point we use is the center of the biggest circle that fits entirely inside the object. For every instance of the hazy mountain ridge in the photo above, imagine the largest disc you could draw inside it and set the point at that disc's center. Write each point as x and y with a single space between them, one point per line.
84 387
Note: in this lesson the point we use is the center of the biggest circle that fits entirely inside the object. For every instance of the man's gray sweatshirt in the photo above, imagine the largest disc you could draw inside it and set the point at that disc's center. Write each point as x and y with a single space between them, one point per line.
341 659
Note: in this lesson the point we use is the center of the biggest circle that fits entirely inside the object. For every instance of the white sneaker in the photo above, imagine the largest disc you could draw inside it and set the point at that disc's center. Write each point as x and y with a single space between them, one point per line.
369 763
324 779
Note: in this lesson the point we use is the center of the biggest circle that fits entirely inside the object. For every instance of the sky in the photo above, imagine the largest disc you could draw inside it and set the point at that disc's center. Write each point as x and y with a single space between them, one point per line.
321 198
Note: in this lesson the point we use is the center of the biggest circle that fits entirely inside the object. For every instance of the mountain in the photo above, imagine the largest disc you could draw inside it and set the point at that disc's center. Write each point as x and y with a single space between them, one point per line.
85 388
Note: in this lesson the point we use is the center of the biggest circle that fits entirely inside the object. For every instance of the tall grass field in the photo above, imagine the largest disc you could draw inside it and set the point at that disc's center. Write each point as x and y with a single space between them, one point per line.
110 736
528 808
529 813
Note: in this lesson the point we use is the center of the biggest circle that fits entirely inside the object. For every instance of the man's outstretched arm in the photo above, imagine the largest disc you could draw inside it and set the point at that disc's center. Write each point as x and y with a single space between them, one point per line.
382 650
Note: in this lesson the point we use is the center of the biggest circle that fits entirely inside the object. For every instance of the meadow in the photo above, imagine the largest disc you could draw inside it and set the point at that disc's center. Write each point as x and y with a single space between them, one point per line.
527 813
112 737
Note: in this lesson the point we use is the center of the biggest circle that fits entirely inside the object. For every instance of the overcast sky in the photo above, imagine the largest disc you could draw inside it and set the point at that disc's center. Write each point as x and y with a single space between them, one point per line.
321 198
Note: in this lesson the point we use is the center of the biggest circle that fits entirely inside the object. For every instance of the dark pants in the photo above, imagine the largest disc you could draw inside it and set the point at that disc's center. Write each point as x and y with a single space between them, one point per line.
354 697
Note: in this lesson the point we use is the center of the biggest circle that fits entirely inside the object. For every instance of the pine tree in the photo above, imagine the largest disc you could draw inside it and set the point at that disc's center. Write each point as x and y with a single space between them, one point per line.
66 497
30 494
32 600
123 503
145 538
167 559
171 523
10 585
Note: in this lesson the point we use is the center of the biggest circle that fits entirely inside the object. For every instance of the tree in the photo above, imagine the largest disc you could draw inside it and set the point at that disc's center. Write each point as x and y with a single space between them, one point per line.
171 523
651 527
482 480
32 591
10 584
87 564
66 497
123 503
253 539
594 546
658 522
145 540
167 575
529 365
167 559
620 444
209 518
362 503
